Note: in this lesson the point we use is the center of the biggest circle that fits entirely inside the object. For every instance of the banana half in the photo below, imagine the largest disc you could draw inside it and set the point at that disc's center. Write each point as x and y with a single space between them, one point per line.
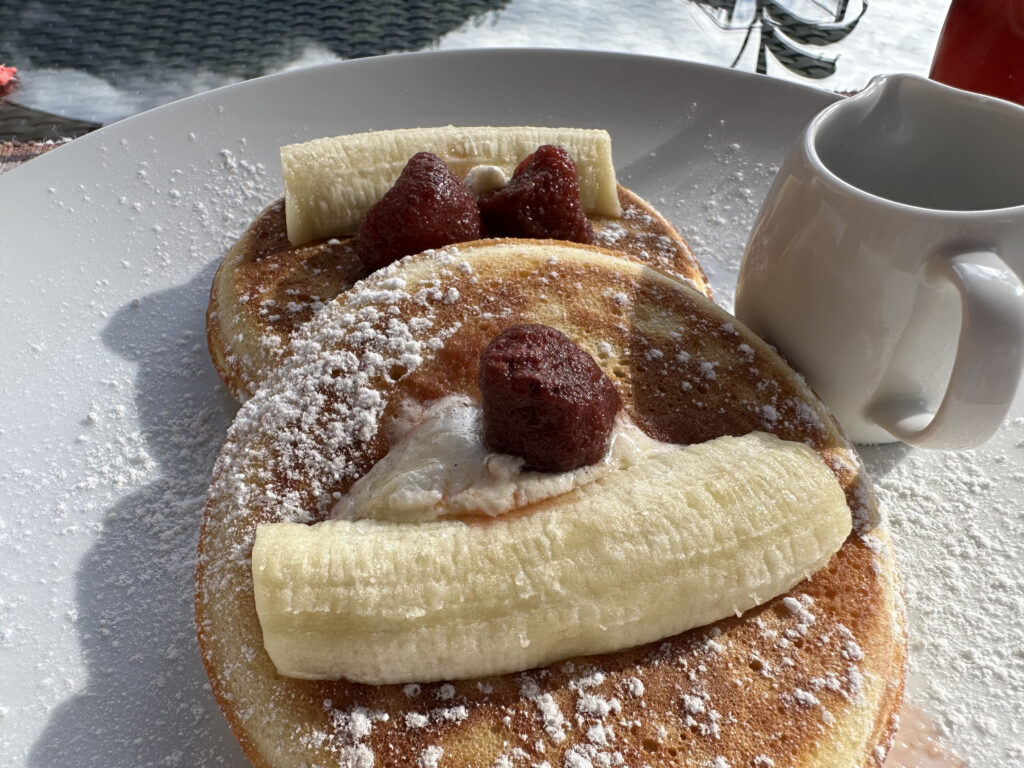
330 183
684 538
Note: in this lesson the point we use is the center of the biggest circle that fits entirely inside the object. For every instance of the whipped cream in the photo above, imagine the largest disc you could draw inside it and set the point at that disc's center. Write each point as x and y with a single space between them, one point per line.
438 466
484 178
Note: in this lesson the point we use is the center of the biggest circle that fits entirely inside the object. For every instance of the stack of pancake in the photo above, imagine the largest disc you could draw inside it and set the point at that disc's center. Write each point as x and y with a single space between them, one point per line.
266 288
812 678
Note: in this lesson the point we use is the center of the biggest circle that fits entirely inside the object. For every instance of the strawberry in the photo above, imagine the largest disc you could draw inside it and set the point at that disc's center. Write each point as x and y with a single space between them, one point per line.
545 399
541 200
426 208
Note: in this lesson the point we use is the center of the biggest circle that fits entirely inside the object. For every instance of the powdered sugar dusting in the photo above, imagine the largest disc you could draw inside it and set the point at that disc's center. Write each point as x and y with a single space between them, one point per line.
336 393
347 734
105 469
430 757
957 526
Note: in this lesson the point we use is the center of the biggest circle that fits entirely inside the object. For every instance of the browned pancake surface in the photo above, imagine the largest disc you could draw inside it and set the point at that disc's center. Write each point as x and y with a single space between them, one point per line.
809 679
266 287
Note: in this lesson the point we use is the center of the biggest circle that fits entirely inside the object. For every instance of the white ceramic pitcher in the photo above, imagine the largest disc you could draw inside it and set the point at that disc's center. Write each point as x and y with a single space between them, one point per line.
884 262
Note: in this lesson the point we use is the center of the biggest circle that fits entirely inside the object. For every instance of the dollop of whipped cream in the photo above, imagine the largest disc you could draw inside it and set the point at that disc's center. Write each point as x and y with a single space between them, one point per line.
438 466
484 178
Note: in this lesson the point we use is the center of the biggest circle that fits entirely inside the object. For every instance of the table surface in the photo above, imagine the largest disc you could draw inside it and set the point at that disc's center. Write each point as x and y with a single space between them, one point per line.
95 62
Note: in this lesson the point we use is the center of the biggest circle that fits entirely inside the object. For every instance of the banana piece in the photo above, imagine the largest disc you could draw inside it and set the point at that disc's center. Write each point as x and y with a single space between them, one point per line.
330 183
680 540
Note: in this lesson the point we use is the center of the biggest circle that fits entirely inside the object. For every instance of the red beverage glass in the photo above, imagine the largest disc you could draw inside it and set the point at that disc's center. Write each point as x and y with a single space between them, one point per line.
981 48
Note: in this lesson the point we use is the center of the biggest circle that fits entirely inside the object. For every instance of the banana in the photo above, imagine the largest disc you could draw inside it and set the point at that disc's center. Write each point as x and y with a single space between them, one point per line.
680 540
330 183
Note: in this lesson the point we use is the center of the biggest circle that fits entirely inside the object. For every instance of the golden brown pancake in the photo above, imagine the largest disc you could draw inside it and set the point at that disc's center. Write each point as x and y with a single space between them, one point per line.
266 288
812 678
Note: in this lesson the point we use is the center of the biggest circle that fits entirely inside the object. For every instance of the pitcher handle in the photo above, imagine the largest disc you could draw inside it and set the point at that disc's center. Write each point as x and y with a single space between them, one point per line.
988 363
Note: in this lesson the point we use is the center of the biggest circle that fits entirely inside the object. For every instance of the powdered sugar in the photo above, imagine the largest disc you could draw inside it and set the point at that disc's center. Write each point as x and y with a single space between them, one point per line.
957 528
635 686
416 720
106 468
430 757
805 698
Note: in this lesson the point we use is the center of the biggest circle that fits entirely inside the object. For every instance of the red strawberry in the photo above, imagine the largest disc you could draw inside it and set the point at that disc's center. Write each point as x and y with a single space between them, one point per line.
545 399
426 208
542 199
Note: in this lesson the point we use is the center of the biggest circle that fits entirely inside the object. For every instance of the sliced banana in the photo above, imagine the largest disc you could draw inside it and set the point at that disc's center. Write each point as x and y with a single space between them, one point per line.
680 540
330 183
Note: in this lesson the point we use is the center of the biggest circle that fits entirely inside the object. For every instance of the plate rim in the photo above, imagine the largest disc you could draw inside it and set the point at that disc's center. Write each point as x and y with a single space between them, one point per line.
112 130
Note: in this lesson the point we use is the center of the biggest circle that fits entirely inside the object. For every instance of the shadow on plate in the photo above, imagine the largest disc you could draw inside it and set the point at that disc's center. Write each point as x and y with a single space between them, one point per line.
147 699
883 459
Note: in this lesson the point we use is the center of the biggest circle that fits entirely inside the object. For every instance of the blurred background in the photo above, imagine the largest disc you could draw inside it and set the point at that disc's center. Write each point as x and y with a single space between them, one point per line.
85 63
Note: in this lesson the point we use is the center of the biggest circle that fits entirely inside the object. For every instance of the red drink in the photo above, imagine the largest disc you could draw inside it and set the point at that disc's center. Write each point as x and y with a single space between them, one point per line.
981 48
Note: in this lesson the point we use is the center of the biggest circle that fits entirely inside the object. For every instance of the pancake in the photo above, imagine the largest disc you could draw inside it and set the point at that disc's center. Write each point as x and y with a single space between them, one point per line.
812 678
266 288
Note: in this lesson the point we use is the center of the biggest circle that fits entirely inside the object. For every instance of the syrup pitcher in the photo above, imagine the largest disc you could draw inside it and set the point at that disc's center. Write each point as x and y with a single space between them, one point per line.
885 262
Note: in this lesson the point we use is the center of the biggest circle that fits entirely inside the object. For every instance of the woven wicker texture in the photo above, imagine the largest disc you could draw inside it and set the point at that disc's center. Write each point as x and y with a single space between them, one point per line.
13 154
113 38
17 122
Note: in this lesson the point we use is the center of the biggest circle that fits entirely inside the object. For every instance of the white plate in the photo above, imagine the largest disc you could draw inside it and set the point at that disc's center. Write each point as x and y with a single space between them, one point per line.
114 415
